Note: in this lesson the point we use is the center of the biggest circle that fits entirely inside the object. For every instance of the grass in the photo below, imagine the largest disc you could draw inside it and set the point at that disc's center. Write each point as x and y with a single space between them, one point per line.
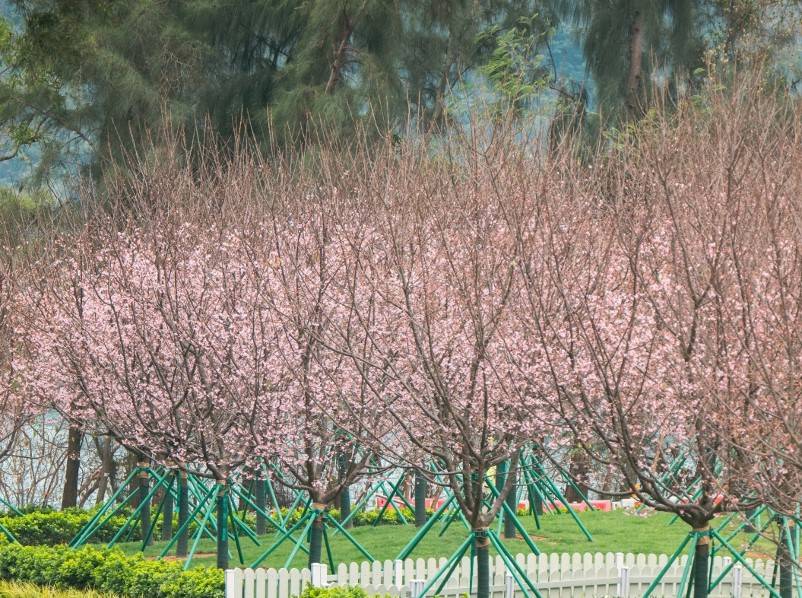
617 531
27 590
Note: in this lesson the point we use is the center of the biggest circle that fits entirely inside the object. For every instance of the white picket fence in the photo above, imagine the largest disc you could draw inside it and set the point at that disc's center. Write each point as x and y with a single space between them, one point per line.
555 576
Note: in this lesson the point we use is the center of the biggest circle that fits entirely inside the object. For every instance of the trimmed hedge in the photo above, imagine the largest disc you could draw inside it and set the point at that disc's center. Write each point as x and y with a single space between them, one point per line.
49 527
110 571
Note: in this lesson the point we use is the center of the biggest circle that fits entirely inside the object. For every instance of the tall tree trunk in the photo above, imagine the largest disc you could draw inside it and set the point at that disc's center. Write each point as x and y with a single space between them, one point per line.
144 501
69 497
578 468
261 502
634 75
701 561
345 506
133 463
108 468
338 63
512 504
482 548
182 544
222 525
316 535
784 560
420 500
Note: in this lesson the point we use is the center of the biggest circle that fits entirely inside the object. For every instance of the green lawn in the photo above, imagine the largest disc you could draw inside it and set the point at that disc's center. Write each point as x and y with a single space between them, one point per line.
617 531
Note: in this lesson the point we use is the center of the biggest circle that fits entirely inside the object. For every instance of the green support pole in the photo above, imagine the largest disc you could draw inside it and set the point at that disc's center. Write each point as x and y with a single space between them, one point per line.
756 535
280 541
448 566
182 529
267 518
210 504
656 581
737 556
514 568
407 550
350 538
167 508
328 549
91 526
234 522
513 517
308 528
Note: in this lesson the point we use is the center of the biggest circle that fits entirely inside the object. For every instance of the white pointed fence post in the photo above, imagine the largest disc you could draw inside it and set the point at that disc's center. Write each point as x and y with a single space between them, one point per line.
234 581
623 582
320 578
737 581
509 585
398 577
416 587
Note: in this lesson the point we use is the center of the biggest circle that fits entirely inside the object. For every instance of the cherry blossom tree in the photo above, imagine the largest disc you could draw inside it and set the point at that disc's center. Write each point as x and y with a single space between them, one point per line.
149 333
326 415
638 315
443 269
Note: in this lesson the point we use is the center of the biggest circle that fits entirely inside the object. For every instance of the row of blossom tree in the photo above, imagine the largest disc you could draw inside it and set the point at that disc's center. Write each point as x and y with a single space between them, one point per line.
443 313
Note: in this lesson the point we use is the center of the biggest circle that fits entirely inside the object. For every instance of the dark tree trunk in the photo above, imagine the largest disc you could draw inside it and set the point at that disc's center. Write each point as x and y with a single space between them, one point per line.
133 463
69 497
109 470
222 525
144 501
785 562
578 468
701 561
634 75
316 538
482 545
182 544
345 506
420 500
260 500
512 503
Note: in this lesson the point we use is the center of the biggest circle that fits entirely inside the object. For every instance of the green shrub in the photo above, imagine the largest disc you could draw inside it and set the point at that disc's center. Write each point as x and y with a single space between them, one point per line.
29 590
108 571
334 592
49 527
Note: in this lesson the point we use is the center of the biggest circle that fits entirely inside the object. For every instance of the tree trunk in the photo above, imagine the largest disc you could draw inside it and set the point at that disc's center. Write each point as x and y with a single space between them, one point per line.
482 546
261 502
144 501
69 497
182 544
634 75
785 562
316 535
512 503
108 470
222 525
133 463
420 500
578 468
701 562
345 506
